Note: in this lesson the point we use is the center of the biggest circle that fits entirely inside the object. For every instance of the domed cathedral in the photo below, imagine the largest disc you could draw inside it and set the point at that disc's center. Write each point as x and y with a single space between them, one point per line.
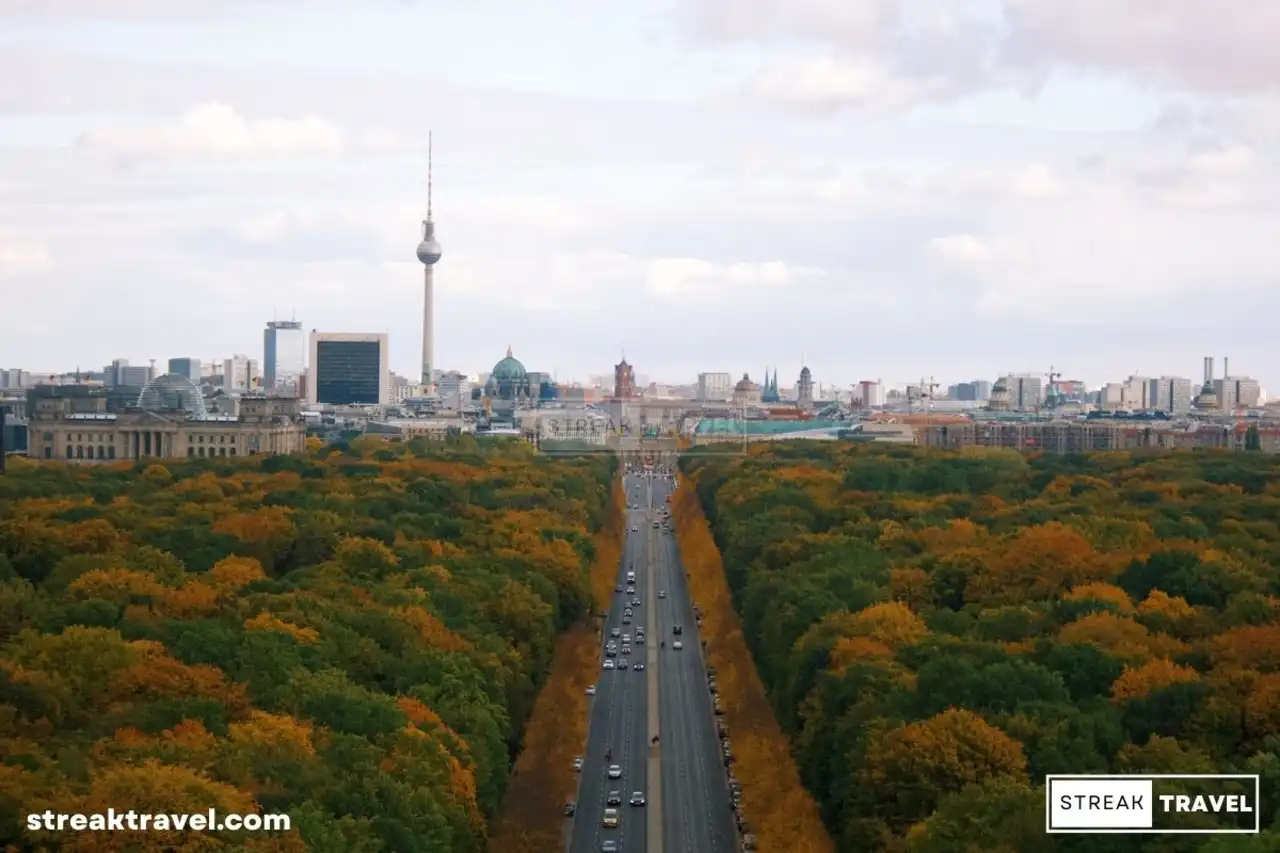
508 384
746 392
769 393
1000 400
624 381
1207 400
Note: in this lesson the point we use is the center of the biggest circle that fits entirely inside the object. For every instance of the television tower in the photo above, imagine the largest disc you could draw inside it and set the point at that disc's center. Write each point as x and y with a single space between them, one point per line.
429 255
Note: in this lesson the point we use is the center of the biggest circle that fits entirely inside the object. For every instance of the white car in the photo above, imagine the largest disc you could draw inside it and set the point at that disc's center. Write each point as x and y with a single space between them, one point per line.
615 771
608 663
591 690
662 593
677 645
577 764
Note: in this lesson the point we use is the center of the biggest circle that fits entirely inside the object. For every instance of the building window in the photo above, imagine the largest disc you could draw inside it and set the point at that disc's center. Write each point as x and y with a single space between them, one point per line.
233 452
79 451
48 453
69 454
111 451
202 451
191 451
102 453
222 451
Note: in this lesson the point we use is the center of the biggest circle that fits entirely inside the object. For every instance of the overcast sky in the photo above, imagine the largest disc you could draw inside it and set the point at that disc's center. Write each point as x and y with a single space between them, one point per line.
884 188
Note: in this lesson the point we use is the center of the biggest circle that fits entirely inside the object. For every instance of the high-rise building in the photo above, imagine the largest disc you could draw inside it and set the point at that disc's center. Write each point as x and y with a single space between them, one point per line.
119 373
429 254
714 386
454 390
349 369
188 368
1136 394
1026 390
804 389
284 355
1171 394
871 393
240 373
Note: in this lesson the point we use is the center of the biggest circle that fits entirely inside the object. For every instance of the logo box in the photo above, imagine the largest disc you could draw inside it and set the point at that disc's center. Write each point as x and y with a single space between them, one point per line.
1161 803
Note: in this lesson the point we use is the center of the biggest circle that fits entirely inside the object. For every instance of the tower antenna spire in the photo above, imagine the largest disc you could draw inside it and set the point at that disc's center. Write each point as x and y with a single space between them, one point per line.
428 176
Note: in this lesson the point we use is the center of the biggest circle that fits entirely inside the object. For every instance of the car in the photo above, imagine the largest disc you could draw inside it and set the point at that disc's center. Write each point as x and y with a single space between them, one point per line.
677 629
615 798
615 771
677 645
635 602
638 667
591 690
626 620
577 763
611 652
609 846
631 590
615 633
640 639
610 819
627 611
626 638
622 664
637 799
618 588
626 650
634 529
570 808
608 663
662 593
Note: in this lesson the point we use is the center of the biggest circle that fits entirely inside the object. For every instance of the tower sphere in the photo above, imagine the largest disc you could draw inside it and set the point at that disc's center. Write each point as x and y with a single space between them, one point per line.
429 251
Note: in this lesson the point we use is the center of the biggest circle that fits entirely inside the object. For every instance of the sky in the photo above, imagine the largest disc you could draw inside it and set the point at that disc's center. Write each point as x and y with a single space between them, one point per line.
954 189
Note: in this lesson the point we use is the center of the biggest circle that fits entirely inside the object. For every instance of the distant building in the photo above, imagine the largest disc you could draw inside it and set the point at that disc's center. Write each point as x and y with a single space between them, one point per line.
454 389
624 381
770 393
349 369
284 356
14 378
120 373
746 392
1171 394
804 389
240 373
169 420
188 367
715 387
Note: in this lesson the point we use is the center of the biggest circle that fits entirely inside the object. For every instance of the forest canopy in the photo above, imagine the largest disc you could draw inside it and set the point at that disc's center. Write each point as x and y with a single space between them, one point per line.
938 630
354 636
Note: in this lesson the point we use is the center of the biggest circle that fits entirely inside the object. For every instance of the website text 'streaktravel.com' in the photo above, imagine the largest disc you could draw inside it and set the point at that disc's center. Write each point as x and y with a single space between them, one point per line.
123 821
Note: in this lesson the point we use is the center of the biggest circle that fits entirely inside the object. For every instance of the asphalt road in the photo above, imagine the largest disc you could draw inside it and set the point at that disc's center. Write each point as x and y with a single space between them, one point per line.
696 816
619 710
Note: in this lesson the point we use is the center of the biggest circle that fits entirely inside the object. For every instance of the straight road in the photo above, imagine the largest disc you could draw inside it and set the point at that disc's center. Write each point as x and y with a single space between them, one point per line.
619 710
697 816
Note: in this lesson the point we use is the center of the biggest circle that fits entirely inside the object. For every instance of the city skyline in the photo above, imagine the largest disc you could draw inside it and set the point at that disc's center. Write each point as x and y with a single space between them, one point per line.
667 184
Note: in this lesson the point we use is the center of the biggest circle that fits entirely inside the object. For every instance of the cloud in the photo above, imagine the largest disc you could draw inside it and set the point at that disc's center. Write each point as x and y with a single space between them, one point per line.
217 131
967 248
22 258
902 52
694 280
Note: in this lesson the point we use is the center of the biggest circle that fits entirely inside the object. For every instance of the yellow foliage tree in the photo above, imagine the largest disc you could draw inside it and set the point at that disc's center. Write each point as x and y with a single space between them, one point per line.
265 621
232 573
1136 682
1120 636
1102 592
891 623
1160 602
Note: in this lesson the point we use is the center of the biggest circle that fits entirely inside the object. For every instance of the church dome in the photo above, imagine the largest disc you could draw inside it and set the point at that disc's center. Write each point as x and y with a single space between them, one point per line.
805 373
745 384
509 369
172 391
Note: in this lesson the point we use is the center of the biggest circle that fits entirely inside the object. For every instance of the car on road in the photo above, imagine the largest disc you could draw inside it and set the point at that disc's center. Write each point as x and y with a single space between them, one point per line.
635 529
622 664
608 663
609 846
615 633
631 590
615 798
577 763
626 620
662 593
639 639
618 588
627 612
570 808
615 771
637 799
638 667
626 638
591 690
677 629
610 818
677 645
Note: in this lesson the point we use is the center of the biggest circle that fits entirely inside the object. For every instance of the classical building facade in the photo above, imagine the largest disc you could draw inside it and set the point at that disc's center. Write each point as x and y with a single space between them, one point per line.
170 421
